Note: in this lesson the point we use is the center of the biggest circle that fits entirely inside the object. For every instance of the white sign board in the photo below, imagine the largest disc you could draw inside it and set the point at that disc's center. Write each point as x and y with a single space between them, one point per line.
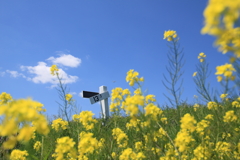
99 97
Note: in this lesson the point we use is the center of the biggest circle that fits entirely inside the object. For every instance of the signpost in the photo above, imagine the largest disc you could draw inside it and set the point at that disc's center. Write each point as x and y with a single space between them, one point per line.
101 97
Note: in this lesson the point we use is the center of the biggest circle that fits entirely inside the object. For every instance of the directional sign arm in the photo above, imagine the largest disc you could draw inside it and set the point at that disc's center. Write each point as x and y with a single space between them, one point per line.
87 94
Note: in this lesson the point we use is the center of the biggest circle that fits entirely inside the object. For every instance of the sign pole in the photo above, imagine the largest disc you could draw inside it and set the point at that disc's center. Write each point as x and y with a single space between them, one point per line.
104 103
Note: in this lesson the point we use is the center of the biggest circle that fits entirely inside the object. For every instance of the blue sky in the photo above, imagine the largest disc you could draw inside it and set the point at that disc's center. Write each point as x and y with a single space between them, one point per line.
95 43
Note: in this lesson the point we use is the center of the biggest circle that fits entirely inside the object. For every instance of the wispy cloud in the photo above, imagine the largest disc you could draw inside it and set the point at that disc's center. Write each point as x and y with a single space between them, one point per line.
41 74
66 60
15 74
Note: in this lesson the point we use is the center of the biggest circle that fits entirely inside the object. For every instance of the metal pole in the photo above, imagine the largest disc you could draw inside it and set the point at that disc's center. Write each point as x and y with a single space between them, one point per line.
104 103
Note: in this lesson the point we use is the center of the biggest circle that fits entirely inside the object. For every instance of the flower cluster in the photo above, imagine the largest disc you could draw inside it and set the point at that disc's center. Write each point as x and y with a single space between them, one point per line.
201 57
118 94
5 97
230 116
22 111
88 145
18 155
37 145
85 117
65 146
212 105
59 123
226 71
170 35
132 77
54 69
68 97
120 136
222 21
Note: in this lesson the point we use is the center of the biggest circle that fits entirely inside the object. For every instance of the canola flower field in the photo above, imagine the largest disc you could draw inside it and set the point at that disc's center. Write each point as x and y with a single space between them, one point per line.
138 128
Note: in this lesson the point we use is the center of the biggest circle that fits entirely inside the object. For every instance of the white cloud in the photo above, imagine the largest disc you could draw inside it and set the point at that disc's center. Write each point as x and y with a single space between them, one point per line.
15 74
66 60
81 94
41 74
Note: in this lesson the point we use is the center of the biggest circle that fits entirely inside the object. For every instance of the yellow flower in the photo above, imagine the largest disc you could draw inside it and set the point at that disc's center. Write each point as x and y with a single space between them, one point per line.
5 97
223 96
85 117
188 122
120 136
68 97
150 98
22 112
212 105
138 145
152 110
195 107
54 69
132 77
18 155
229 116
128 154
236 104
37 145
194 74
10 143
201 57
221 19
87 144
59 123
226 71
65 145
183 139
169 35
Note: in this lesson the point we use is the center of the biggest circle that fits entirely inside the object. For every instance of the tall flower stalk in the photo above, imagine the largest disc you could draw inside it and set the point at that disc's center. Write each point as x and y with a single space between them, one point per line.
200 77
65 108
175 57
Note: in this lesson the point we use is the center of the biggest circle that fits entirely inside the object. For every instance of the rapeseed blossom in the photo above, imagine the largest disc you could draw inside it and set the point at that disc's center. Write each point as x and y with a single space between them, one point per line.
150 98
88 144
226 71
236 104
132 77
188 123
201 152
183 140
120 136
195 107
170 35
212 105
223 96
131 104
153 111
22 111
59 123
221 21
201 57
37 145
85 117
229 116
18 155
65 145
68 97
5 97
194 74
54 69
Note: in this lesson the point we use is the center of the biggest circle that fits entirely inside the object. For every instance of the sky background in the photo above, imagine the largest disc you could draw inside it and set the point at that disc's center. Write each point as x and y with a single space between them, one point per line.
96 43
